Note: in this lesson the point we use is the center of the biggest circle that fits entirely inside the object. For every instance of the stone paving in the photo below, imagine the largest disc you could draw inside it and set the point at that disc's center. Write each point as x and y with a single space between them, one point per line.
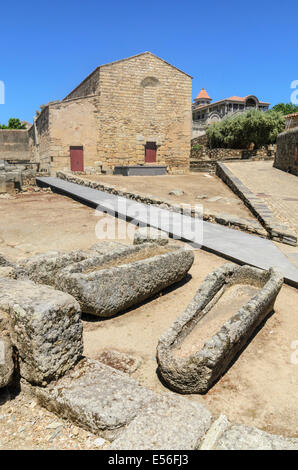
277 189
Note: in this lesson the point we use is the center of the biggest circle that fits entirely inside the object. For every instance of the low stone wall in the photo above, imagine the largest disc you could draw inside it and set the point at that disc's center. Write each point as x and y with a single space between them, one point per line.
14 144
286 157
200 151
17 177
276 231
264 153
205 153
221 154
205 166
200 140
28 178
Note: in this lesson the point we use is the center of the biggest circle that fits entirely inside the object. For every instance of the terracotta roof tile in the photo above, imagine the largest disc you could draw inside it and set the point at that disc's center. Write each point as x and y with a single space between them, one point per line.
203 94
291 115
238 99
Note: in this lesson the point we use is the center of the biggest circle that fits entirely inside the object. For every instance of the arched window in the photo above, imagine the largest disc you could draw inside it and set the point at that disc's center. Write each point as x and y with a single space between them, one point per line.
149 82
251 103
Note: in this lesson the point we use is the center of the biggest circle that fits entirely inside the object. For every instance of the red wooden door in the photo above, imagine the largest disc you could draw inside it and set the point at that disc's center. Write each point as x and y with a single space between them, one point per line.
150 152
76 159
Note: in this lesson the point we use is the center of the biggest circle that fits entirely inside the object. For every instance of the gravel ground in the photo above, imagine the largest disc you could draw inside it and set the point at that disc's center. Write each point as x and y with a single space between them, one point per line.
25 425
259 390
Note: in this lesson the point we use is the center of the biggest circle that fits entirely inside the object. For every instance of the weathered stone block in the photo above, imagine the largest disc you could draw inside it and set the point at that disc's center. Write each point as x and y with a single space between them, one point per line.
151 235
5 261
8 271
45 328
195 369
96 397
215 432
6 350
43 268
105 289
6 361
109 248
176 192
240 437
170 423
2 183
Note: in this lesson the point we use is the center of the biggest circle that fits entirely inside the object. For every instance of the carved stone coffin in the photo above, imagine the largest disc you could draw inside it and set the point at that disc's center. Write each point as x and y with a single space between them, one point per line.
225 312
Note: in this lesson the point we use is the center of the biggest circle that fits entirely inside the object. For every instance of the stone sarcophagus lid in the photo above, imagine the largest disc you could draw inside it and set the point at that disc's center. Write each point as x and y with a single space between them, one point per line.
225 312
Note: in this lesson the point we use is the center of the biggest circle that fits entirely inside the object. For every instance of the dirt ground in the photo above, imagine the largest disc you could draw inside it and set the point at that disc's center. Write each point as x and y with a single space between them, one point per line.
26 425
193 185
33 223
260 389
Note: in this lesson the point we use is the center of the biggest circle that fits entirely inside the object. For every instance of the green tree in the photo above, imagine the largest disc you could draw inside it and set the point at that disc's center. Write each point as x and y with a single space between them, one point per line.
13 123
239 131
285 108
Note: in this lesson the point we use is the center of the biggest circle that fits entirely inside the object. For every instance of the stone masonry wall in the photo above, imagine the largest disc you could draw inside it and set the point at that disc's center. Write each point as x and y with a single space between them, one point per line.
14 144
205 153
143 99
200 141
73 123
221 154
292 121
87 87
61 125
39 140
201 151
287 151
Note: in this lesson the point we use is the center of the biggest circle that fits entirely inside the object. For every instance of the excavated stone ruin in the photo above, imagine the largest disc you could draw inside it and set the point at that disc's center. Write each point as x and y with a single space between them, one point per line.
108 284
110 277
225 312
41 333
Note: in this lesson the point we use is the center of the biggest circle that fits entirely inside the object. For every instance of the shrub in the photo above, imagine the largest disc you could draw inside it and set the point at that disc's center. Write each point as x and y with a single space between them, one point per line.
13 123
241 130
286 108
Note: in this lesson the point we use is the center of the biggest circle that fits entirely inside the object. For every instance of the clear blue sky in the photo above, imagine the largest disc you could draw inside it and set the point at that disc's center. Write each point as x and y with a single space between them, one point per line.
229 47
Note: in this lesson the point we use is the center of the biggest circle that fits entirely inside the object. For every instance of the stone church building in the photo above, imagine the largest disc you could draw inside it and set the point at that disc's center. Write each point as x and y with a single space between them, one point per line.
132 111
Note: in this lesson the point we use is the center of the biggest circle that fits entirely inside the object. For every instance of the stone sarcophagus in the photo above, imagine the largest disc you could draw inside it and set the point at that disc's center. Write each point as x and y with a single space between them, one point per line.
225 312
106 284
